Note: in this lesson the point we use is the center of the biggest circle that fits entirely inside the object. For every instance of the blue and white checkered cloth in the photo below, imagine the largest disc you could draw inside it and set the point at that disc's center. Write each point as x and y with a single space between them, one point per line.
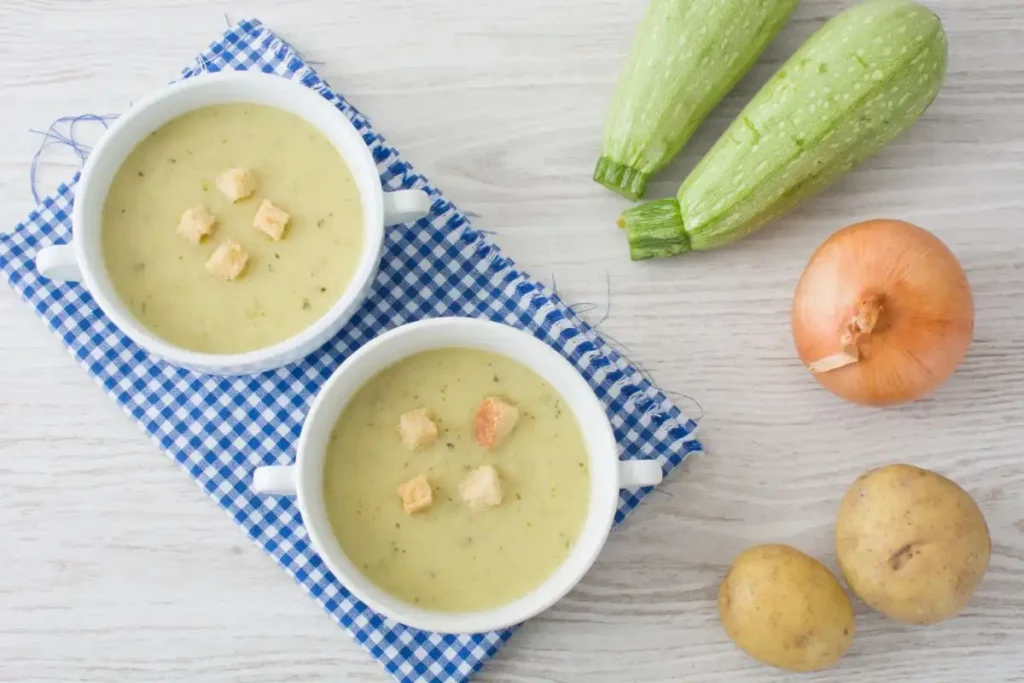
221 429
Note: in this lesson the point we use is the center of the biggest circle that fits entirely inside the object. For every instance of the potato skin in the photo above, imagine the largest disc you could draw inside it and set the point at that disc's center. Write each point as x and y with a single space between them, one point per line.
785 609
911 543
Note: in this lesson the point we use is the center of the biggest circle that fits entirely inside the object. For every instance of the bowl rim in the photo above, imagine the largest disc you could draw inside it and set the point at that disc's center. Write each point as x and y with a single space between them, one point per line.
370 190
596 428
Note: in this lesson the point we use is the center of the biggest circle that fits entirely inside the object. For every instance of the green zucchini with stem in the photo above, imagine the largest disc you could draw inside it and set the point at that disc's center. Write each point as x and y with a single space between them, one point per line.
686 56
863 79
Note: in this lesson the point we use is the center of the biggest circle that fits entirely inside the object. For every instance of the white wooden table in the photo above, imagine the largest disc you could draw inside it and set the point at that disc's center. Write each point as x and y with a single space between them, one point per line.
115 567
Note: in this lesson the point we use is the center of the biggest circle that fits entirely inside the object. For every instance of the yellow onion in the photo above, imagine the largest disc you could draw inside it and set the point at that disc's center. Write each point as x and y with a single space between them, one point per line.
883 313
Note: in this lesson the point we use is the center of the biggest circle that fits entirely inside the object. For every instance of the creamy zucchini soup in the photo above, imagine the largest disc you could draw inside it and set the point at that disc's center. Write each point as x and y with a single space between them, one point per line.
231 228
456 480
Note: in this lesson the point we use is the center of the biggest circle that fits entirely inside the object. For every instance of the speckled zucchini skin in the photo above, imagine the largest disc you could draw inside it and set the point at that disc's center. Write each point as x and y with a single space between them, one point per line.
863 79
686 56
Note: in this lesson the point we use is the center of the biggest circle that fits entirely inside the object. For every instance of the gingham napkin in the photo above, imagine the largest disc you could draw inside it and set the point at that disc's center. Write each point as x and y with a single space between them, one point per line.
221 429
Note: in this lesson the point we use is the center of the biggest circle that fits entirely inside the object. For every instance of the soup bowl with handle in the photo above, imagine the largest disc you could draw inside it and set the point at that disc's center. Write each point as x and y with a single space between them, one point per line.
608 475
82 260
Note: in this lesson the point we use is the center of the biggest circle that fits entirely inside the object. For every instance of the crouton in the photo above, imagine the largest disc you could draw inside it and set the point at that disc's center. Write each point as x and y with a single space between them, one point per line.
495 420
416 494
196 223
271 219
236 183
482 488
228 261
417 429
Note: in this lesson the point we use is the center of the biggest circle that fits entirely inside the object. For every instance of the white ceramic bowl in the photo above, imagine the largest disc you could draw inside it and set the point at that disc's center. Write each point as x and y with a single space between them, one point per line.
607 473
83 259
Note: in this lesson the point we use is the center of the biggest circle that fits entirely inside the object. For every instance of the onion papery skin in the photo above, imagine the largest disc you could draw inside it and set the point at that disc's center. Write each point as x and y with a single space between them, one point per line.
926 321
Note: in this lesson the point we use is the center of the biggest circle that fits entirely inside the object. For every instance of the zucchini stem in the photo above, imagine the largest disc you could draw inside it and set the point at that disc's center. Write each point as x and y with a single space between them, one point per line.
655 230
620 178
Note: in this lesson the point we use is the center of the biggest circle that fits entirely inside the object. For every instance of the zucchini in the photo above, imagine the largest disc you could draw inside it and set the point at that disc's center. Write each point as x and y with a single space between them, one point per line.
855 85
686 56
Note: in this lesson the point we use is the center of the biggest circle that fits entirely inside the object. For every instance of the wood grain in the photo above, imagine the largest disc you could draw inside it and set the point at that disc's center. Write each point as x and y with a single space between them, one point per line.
117 568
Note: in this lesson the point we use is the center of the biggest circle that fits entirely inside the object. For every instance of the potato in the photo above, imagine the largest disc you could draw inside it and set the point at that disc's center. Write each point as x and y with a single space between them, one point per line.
785 609
911 543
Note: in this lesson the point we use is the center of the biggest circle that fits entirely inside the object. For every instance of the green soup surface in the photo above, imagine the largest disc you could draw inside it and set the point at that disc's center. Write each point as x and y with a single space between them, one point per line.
288 284
450 557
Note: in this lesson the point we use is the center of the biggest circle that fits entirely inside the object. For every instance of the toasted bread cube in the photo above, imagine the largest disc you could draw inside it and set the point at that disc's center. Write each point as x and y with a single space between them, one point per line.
271 219
495 420
196 223
417 429
228 261
482 488
236 183
416 494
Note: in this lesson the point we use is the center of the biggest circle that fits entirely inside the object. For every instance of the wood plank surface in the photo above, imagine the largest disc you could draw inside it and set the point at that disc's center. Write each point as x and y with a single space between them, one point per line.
117 568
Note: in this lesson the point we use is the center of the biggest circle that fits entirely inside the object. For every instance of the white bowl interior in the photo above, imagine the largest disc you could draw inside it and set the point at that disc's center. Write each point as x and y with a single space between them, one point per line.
205 90
519 346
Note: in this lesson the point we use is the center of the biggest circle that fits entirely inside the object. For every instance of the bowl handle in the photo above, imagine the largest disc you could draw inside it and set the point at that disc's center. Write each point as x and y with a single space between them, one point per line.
405 206
58 263
634 474
274 479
